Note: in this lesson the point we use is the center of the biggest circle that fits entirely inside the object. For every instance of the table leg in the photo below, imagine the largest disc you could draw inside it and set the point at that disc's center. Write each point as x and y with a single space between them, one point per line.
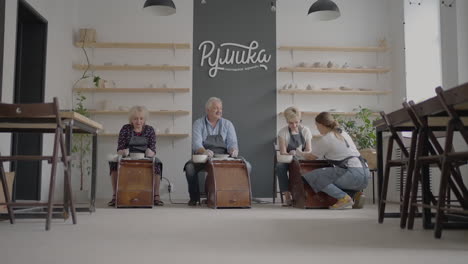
92 207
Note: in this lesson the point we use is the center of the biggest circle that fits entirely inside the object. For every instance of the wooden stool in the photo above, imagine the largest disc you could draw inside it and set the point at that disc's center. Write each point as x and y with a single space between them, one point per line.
228 184
302 194
135 183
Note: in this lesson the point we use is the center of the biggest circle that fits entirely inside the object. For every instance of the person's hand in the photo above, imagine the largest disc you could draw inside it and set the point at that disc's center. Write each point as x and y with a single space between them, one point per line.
125 152
234 153
209 152
149 153
292 152
299 153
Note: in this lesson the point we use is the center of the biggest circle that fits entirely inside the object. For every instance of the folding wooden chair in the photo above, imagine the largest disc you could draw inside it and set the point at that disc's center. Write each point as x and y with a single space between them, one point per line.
448 157
38 114
429 151
405 161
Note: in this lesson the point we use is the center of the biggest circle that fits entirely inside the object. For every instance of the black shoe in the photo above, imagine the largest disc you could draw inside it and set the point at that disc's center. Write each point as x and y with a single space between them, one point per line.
158 203
192 203
111 203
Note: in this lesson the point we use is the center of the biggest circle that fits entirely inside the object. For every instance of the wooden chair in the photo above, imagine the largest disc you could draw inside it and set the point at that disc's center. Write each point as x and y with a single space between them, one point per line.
406 160
36 113
228 184
447 159
302 194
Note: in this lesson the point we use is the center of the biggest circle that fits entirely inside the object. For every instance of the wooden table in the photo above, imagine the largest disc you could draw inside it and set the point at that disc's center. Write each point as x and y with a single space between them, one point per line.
74 123
437 121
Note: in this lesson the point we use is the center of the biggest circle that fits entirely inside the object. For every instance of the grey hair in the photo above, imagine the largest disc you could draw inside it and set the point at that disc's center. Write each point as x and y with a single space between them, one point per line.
135 109
211 101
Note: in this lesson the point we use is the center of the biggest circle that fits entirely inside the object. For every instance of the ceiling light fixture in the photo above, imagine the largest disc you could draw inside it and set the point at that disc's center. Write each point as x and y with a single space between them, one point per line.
324 10
161 7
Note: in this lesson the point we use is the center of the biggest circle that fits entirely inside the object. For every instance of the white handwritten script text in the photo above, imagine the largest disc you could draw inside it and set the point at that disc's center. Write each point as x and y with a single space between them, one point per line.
232 54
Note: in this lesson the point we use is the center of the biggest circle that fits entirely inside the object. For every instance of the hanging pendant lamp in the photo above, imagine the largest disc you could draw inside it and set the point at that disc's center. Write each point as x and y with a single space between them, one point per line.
324 10
161 7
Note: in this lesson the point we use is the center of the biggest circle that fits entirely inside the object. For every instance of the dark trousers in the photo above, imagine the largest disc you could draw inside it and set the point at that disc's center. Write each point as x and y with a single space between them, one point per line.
191 173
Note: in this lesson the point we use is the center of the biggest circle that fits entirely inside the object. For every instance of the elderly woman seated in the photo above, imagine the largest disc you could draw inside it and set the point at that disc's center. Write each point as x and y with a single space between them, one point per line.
137 137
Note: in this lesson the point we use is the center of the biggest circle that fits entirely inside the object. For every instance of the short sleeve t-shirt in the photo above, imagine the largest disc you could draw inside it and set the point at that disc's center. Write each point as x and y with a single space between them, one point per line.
330 147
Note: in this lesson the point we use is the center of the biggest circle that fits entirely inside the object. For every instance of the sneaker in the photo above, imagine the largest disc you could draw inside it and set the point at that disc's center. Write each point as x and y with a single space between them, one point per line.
359 200
342 203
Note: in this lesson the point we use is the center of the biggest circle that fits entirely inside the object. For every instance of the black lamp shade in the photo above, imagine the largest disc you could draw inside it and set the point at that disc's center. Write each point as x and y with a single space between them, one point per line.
161 7
324 10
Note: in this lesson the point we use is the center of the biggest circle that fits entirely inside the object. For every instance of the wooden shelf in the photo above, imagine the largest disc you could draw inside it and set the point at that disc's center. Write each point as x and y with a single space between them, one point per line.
157 112
158 135
382 48
133 45
307 113
131 67
333 70
340 92
133 90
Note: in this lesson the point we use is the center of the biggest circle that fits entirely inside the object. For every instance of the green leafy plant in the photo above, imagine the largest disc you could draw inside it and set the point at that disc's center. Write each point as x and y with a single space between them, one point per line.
360 128
81 146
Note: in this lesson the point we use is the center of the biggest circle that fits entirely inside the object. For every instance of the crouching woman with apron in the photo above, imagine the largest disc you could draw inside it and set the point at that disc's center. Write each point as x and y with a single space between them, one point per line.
350 170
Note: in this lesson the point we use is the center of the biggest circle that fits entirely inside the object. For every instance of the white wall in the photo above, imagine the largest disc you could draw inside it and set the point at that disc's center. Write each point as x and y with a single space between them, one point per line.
126 21
362 23
423 54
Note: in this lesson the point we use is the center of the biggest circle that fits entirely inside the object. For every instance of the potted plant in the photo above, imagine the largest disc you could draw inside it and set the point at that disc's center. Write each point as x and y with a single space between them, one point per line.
362 131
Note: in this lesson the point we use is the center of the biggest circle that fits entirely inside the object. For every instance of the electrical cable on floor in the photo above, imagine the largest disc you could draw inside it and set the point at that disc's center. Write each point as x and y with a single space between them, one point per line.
169 189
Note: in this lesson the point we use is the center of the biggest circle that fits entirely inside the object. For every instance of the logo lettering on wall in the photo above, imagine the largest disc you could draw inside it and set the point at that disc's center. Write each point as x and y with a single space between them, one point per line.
232 57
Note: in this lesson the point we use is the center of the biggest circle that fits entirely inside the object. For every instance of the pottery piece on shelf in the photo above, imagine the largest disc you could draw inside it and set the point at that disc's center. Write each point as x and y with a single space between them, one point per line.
317 65
329 64
345 88
345 66
329 88
310 87
366 89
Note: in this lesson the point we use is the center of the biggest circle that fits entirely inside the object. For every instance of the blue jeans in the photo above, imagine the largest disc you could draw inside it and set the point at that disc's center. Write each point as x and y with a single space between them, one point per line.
332 180
283 179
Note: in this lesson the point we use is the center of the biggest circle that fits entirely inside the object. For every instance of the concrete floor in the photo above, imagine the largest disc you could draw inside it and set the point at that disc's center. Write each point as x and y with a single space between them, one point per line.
264 234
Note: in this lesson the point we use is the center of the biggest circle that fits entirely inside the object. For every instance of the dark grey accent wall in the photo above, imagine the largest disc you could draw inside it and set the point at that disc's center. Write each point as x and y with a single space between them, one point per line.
248 90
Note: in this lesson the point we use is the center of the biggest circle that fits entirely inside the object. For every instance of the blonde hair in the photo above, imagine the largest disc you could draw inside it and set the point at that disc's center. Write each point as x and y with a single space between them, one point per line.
137 109
327 120
211 101
291 114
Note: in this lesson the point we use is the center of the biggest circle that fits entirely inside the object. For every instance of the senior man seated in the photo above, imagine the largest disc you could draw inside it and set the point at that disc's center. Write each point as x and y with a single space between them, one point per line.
211 134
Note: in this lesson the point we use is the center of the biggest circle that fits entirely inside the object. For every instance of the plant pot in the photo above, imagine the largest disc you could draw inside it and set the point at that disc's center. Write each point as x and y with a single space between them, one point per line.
371 156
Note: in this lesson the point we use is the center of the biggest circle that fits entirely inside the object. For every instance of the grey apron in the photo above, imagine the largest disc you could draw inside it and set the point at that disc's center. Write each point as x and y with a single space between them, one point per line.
295 141
138 144
215 143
